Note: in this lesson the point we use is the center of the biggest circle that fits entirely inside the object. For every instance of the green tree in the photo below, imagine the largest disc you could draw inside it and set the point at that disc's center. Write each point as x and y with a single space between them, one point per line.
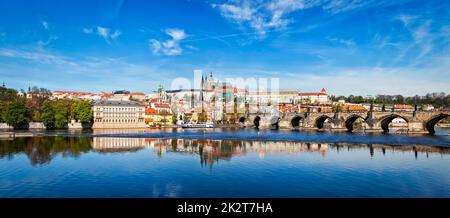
2 108
7 94
61 111
34 103
15 114
48 115
82 111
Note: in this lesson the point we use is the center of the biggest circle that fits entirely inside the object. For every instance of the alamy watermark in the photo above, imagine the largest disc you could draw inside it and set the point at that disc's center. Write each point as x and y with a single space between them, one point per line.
228 95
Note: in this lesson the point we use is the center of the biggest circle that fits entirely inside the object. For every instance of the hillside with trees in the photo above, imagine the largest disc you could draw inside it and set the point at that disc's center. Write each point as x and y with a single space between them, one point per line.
37 106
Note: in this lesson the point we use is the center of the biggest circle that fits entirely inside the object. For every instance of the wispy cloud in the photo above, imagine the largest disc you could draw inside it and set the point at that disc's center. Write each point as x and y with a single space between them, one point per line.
45 24
88 30
170 47
261 16
422 40
116 34
405 19
51 36
73 72
341 6
269 15
103 32
356 80
36 55
374 80
106 33
42 43
346 42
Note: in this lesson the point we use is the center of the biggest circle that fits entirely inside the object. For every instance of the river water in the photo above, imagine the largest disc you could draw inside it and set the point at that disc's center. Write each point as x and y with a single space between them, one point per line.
224 163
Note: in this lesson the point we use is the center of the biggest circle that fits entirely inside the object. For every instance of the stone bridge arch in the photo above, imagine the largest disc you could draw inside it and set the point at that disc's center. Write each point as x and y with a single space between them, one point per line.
386 120
320 121
430 123
350 121
275 122
241 121
296 120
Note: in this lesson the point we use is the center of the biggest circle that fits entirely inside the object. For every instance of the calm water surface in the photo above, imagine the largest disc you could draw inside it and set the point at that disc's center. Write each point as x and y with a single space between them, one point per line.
224 163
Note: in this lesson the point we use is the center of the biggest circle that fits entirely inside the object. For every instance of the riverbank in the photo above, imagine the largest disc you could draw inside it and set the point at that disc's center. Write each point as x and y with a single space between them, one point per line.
12 135
443 125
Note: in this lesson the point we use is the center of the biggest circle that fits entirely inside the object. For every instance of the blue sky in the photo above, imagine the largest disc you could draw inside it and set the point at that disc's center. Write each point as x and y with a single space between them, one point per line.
347 46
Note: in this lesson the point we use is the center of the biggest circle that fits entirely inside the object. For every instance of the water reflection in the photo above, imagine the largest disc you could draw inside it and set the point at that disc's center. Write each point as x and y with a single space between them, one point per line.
109 144
41 150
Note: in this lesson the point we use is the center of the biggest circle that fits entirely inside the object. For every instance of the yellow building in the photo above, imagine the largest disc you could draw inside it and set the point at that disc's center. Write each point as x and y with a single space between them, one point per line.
158 114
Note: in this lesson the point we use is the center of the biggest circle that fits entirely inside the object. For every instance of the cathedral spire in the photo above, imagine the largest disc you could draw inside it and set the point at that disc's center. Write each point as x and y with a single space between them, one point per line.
202 86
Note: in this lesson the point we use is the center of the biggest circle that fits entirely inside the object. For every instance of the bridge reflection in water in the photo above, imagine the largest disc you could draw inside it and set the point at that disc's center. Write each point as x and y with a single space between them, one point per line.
211 151
41 150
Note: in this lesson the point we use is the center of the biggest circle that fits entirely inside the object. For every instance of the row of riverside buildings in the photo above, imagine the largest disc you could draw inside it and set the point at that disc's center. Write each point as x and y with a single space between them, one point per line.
214 102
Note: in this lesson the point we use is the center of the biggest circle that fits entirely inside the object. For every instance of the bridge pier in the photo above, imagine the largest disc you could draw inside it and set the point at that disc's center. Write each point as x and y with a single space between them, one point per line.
416 127
285 124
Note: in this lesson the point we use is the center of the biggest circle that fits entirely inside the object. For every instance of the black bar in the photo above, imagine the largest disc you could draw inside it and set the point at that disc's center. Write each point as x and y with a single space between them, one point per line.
278 207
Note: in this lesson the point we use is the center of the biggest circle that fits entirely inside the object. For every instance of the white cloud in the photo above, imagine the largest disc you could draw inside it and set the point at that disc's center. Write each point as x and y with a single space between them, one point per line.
45 25
262 16
69 72
116 34
405 19
363 81
88 30
346 42
170 47
42 43
422 38
36 55
105 33
271 15
340 6
355 80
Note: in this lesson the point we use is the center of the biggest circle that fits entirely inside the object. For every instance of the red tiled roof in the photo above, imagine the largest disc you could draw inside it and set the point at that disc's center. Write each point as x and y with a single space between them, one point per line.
287 108
310 93
402 106
164 112
276 93
150 110
71 93
163 105
234 90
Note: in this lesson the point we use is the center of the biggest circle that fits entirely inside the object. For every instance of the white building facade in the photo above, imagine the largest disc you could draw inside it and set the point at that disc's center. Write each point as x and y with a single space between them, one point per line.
118 114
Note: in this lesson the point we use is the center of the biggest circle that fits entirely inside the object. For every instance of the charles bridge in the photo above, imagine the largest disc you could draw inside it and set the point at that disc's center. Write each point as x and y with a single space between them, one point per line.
373 121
